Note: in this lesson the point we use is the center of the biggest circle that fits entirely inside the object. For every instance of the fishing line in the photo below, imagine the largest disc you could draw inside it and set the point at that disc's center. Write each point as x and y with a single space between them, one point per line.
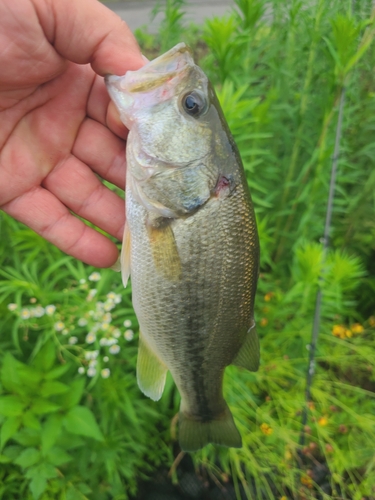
325 241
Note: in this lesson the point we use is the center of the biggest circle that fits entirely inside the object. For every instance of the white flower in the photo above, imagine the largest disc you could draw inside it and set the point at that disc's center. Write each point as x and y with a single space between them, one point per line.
109 305
105 373
90 338
95 327
73 340
91 372
82 281
116 333
25 314
111 296
94 276
103 341
127 323
92 293
33 300
12 307
107 317
91 354
65 331
112 341
82 322
106 359
39 311
104 326
59 326
114 349
50 309
93 362
81 370
129 335
117 299
100 306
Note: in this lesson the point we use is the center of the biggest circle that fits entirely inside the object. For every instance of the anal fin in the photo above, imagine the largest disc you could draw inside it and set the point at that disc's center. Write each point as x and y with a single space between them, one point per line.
151 372
249 355
164 249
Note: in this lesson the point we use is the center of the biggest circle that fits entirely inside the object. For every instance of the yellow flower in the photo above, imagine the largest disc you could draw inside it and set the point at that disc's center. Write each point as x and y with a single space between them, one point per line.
357 328
307 481
266 429
264 322
268 296
323 421
288 456
348 333
338 331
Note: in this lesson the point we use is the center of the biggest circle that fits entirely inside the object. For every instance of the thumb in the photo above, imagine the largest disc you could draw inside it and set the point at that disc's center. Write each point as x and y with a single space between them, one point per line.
85 31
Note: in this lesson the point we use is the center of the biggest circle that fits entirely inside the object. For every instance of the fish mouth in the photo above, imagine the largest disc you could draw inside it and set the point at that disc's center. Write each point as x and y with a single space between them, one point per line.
155 73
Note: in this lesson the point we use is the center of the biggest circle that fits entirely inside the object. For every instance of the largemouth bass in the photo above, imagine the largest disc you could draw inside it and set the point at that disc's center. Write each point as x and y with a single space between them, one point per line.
190 242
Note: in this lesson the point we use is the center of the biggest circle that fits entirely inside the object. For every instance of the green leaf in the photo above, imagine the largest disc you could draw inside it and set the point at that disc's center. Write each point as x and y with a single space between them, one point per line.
29 420
28 457
18 377
42 406
51 387
9 376
4 459
73 494
37 486
57 456
47 471
13 451
73 397
80 420
28 437
45 358
57 372
51 431
9 429
11 406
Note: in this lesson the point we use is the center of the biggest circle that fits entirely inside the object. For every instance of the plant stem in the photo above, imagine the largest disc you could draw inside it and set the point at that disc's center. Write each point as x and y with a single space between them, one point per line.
325 241
297 144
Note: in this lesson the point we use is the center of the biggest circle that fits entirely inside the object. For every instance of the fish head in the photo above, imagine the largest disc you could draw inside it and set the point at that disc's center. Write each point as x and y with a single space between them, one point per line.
178 137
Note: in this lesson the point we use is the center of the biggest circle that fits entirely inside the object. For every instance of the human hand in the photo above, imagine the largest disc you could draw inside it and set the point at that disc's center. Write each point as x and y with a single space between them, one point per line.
58 128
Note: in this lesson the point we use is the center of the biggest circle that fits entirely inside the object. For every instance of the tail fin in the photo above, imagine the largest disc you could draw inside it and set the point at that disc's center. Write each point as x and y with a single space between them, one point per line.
194 434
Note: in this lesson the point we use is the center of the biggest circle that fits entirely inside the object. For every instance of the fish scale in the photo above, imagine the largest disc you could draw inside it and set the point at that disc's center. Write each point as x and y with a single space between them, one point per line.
194 272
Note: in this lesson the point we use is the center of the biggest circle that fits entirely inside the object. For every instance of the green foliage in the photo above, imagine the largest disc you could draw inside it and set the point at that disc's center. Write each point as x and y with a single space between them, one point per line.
68 393
74 425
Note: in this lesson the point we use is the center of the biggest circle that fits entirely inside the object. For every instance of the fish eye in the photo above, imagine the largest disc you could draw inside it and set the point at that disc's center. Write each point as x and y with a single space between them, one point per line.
194 103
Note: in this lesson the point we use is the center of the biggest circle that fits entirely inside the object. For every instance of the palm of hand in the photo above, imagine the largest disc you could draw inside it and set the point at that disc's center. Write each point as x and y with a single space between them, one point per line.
54 137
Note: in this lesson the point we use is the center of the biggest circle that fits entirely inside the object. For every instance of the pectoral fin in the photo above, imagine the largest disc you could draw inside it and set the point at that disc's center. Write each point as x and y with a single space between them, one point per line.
151 372
125 256
248 356
164 249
